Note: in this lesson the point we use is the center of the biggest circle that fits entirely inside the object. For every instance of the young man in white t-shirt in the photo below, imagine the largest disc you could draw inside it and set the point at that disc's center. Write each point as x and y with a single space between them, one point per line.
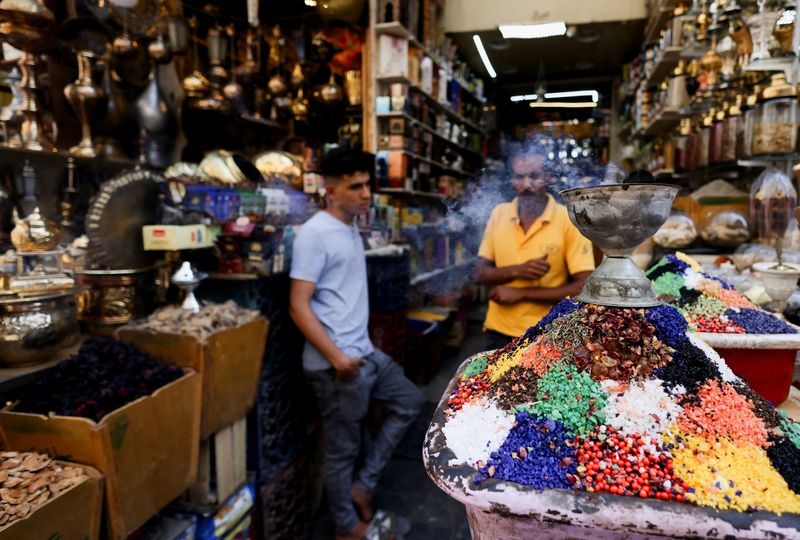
330 305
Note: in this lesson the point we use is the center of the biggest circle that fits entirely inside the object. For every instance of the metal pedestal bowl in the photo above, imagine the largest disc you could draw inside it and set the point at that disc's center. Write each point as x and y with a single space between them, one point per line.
618 218
780 281
33 329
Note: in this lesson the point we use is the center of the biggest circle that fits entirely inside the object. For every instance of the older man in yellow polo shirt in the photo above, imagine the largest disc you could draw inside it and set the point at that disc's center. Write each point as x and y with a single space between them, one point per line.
531 254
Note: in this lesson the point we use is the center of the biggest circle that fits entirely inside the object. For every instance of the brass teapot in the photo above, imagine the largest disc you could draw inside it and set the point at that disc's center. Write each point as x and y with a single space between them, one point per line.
34 233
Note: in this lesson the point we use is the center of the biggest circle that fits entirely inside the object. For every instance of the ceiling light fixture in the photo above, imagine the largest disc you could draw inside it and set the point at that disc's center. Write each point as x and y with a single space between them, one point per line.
485 57
533 31
524 97
593 94
563 104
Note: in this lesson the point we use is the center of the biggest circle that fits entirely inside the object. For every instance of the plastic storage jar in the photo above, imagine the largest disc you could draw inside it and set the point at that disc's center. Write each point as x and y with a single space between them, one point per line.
776 127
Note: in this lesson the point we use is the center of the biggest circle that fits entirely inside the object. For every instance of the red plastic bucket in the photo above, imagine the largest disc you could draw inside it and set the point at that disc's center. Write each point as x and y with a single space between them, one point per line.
767 371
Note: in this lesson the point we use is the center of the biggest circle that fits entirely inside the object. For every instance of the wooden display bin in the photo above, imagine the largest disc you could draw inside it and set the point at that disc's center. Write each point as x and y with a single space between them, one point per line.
229 360
147 450
73 515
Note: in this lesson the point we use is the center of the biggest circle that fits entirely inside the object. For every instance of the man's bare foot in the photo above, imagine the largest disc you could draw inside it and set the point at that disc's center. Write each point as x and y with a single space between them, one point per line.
356 533
362 499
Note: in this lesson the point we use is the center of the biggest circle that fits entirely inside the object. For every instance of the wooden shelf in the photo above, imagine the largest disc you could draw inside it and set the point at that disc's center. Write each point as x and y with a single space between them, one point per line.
667 60
392 29
393 79
772 64
421 278
447 109
662 123
400 192
657 20
398 114
429 161
61 157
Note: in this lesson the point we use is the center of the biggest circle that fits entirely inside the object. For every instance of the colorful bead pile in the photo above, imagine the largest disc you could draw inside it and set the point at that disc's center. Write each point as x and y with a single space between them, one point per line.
538 452
625 402
708 303
630 465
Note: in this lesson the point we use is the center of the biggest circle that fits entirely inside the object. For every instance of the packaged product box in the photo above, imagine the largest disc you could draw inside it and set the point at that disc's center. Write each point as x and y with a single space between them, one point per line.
231 520
229 360
175 237
147 450
411 216
73 515
392 57
398 164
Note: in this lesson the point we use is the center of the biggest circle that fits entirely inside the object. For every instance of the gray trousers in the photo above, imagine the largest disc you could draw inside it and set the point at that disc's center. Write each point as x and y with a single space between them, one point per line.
343 406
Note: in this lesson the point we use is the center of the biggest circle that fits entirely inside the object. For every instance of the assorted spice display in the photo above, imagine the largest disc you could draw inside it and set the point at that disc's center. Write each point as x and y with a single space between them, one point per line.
104 375
210 319
626 402
708 303
29 480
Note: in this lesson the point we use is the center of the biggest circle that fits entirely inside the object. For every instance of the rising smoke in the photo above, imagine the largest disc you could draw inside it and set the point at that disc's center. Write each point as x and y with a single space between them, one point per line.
569 161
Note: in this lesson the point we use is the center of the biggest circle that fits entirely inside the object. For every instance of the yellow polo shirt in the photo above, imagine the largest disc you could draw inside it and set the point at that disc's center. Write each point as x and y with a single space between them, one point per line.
506 244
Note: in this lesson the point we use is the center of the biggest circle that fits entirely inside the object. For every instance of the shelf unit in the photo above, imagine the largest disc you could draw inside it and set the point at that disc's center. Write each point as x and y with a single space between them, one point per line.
662 123
426 166
431 130
656 22
667 61
422 278
396 29
412 193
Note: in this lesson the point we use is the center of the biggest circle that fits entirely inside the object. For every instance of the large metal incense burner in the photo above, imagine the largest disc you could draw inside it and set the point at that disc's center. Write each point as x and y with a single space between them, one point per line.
617 218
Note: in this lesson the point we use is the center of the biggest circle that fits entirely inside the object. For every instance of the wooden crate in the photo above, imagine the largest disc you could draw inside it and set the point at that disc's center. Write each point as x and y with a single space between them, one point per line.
222 465
73 514
147 449
229 360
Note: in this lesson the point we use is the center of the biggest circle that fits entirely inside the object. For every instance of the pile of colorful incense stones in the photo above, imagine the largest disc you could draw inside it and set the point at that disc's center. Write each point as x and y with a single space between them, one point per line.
625 402
708 303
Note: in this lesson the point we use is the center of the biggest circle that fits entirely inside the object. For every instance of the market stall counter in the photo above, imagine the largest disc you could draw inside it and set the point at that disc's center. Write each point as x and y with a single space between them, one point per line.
502 509
611 418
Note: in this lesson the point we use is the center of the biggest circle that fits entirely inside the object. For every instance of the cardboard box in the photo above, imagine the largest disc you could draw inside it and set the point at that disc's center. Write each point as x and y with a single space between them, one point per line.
147 449
232 520
73 515
229 360
174 237
398 164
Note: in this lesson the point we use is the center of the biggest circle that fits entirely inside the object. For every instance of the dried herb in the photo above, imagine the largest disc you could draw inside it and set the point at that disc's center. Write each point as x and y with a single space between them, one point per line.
103 376
622 345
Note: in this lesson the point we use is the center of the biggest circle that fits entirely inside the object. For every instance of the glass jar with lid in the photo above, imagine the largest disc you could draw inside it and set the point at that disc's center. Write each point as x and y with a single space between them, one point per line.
715 136
772 202
749 117
680 143
776 127
691 151
668 155
730 131
704 139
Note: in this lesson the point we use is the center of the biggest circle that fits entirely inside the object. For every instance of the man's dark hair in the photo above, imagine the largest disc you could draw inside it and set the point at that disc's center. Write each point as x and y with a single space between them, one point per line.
524 149
341 161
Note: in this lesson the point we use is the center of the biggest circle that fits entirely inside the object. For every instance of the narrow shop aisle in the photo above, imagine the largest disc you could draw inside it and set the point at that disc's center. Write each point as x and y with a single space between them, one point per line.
405 488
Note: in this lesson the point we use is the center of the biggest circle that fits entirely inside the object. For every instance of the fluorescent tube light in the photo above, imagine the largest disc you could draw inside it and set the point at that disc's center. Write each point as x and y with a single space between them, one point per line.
563 104
524 97
485 57
575 93
533 31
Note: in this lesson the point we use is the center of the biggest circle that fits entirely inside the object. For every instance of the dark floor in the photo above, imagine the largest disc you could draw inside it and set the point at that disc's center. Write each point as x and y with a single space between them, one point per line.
405 488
